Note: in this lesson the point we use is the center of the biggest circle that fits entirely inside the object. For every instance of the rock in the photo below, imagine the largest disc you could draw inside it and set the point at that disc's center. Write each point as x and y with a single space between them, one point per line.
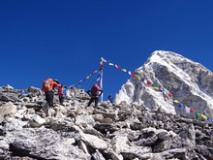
118 133
7 109
37 121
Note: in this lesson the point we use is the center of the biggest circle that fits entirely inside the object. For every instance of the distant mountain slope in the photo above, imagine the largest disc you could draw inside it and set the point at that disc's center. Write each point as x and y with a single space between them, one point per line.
189 82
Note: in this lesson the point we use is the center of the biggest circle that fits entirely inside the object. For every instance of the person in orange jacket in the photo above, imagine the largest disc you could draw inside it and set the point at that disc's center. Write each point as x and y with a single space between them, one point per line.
48 87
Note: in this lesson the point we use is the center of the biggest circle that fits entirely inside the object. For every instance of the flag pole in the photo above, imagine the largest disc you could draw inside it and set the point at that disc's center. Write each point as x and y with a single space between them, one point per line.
101 77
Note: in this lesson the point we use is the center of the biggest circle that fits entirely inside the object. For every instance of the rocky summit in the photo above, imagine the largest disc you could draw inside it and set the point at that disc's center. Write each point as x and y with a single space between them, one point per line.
142 124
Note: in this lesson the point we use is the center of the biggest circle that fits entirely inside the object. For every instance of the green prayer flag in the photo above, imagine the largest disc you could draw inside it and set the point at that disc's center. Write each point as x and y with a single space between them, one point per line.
197 115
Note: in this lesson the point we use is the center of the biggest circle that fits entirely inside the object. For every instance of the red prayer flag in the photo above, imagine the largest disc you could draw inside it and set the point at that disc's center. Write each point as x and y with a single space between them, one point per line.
192 110
169 95
133 75
148 83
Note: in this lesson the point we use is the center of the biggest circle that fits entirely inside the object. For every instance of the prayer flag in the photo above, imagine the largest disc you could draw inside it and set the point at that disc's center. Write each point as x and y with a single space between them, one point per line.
175 101
94 72
180 105
101 66
203 116
156 88
161 90
192 110
133 75
87 77
138 77
124 70
197 115
169 95
149 83
209 119
187 109
118 67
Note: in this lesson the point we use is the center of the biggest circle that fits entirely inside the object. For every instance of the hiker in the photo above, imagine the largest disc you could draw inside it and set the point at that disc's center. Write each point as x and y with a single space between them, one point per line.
48 87
72 91
62 93
94 93
110 98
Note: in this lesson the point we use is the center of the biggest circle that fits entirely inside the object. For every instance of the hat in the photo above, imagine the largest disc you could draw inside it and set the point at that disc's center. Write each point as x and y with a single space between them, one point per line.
56 80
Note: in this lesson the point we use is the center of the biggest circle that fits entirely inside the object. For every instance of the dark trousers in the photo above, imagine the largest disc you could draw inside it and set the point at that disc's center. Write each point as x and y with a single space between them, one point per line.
61 99
49 97
93 99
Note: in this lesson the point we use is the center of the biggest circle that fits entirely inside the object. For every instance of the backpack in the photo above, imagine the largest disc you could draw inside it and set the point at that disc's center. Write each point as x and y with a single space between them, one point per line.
45 86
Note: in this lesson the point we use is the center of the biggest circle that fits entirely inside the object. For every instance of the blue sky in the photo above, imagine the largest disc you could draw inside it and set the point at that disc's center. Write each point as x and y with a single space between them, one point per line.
66 39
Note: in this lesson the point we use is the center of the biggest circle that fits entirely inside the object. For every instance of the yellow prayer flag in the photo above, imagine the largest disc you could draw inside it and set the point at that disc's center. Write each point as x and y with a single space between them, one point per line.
138 77
124 70
203 116
176 101
156 88
87 77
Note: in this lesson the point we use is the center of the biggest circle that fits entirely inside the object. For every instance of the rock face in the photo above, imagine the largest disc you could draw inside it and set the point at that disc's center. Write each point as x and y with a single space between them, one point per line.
116 132
189 82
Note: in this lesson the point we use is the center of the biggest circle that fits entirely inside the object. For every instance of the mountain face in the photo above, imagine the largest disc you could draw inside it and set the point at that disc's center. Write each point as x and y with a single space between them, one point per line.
190 83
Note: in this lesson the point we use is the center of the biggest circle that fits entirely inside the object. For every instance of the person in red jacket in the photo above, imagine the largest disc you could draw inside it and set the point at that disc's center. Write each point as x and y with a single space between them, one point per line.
94 93
62 91
48 87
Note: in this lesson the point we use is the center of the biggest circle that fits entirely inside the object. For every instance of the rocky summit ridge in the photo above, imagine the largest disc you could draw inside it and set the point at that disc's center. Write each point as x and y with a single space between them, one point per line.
134 130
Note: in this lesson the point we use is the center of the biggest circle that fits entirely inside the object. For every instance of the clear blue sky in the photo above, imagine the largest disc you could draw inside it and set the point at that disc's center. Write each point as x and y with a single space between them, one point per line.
65 39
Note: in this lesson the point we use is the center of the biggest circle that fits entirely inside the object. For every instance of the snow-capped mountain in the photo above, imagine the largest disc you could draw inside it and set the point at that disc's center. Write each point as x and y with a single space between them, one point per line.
189 83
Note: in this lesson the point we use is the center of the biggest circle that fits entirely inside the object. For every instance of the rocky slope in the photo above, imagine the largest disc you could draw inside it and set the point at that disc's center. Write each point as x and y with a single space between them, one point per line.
116 132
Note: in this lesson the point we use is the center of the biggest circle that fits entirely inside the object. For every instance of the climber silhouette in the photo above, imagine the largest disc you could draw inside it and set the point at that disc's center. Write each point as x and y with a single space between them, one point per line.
94 93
